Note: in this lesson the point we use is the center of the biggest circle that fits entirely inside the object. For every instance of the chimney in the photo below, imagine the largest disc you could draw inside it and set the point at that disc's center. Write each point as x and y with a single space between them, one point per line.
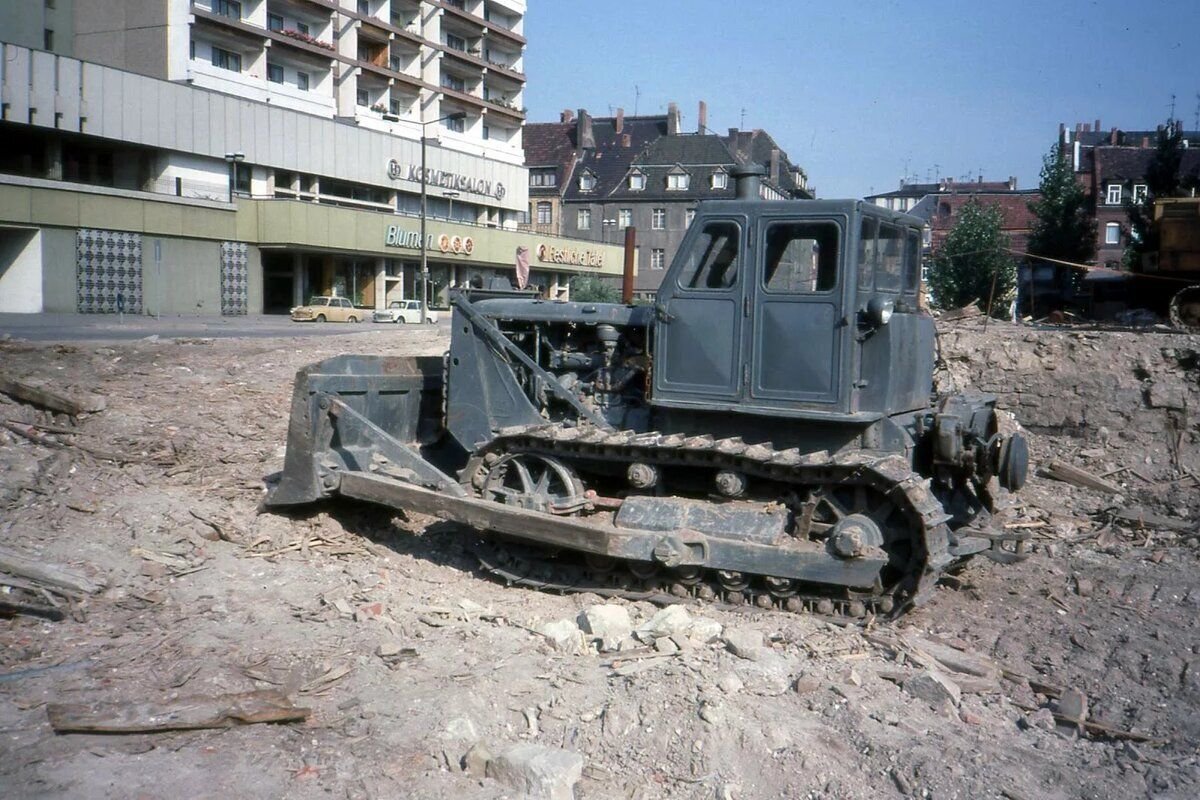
1012 183
1145 141
584 138
1063 136
626 140
672 119
979 179
566 116
1112 137
620 123
1097 128
774 165
702 118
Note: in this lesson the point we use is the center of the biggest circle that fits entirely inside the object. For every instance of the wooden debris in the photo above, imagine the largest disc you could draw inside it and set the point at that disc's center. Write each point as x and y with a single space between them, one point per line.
175 713
39 394
1145 519
1069 473
51 575
969 311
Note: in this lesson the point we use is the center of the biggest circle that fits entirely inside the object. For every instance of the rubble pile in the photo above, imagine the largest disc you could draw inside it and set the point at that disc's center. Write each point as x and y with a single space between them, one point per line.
350 652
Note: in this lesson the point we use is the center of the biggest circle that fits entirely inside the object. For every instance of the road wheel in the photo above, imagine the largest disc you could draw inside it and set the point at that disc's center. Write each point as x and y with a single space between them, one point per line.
320 317
351 319
429 320
399 320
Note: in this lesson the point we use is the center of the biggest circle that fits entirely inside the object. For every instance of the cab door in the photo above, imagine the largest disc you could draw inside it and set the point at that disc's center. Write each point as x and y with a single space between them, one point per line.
797 337
700 313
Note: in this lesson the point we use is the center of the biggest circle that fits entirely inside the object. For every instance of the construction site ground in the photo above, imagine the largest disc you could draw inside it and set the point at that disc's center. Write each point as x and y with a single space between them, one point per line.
413 663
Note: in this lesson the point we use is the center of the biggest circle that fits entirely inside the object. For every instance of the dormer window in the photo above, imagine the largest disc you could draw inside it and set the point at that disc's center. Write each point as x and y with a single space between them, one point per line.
637 181
1114 194
720 179
1139 193
587 182
678 182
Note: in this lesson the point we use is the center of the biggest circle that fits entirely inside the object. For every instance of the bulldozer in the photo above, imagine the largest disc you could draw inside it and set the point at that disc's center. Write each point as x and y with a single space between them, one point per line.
765 432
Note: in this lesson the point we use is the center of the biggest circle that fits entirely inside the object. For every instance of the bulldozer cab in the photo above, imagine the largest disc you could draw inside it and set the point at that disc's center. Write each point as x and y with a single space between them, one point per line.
802 309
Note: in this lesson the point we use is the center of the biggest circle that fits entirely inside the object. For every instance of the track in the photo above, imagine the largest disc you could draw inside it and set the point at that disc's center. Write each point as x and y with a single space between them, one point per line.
918 536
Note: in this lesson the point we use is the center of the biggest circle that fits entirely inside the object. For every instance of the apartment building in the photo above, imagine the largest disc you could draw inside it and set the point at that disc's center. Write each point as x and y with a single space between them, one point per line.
279 141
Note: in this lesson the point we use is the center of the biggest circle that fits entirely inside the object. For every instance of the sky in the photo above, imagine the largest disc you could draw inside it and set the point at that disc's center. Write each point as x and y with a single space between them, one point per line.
861 93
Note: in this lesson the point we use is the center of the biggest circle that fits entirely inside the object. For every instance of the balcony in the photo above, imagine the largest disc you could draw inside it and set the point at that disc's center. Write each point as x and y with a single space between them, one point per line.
505 109
303 43
238 30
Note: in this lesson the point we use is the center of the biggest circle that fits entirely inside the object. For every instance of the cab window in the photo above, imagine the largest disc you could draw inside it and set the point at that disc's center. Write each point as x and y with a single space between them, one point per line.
867 252
712 262
801 257
889 272
912 263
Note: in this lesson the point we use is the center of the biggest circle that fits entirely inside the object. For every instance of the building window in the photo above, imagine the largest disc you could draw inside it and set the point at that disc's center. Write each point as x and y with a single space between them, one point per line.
544 214
583 220
226 60
274 22
302 27
658 219
228 8
274 73
456 42
455 83
362 97
587 182
241 182
678 183
1139 189
456 125
543 177
720 180
637 182
658 258
1112 233
688 216
487 132
47 39
302 81
926 236
364 8
394 107
1114 194
625 218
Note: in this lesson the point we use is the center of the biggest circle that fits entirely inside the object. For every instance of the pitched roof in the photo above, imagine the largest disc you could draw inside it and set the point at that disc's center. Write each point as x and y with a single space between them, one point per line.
609 161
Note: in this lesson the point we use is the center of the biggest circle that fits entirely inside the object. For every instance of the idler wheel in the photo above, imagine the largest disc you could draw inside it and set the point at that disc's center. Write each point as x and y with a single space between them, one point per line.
855 536
730 483
1012 462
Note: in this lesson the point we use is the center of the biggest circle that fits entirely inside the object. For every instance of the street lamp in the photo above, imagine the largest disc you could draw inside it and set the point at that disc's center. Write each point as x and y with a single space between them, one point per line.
424 243
234 159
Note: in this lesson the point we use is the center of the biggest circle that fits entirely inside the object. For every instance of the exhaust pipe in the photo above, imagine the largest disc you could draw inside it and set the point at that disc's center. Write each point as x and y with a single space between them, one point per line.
748 181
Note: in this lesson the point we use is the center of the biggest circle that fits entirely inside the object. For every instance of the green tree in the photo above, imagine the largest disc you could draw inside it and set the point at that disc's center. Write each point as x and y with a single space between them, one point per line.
972 264
590 289
1063 228
1163 179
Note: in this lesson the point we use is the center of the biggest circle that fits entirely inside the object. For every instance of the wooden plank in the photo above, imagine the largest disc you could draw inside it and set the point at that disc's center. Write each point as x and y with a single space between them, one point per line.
52 575
175 713
62 402
1069 473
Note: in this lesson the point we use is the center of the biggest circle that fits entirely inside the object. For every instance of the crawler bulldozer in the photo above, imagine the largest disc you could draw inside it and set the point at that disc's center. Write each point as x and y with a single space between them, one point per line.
764 432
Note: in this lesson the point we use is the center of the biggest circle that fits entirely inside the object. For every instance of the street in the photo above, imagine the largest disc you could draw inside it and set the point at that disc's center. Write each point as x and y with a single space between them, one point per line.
110 327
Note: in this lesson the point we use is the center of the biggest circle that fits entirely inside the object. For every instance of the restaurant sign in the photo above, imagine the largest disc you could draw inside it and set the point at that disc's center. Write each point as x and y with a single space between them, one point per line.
442 179
550 254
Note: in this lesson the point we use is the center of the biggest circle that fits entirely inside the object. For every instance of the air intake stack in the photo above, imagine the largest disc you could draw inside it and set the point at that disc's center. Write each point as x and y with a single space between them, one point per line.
748 180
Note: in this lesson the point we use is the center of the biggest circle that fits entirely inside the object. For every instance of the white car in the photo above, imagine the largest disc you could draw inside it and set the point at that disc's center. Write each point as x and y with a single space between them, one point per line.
404 311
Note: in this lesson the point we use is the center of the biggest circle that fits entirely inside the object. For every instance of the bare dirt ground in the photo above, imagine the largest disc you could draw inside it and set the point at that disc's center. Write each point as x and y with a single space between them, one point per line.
408 657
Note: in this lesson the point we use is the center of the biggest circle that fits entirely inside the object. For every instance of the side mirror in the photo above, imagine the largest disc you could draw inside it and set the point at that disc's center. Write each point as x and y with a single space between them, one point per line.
879 311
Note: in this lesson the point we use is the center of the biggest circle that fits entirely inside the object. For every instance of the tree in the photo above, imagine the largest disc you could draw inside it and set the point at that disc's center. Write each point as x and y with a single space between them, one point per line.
590 289
1163 179
1063 229
972 264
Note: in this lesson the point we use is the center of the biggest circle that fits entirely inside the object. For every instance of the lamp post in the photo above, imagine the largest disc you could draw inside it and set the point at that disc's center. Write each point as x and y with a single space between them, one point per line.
424 243
234 159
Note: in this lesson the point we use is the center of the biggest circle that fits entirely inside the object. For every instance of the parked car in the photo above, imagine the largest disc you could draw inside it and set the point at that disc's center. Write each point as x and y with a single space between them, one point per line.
327 309
402 311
